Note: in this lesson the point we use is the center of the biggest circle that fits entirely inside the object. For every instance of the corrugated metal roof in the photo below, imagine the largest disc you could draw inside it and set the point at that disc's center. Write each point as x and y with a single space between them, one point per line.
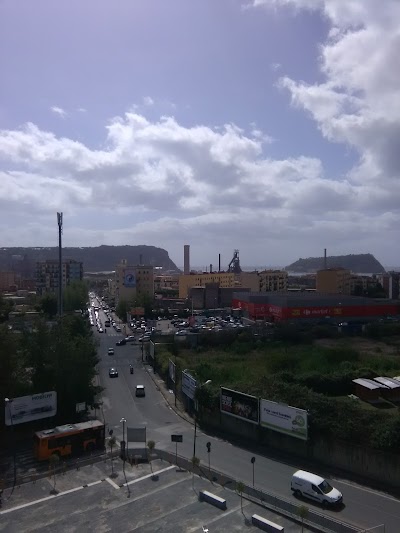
369 384
388 382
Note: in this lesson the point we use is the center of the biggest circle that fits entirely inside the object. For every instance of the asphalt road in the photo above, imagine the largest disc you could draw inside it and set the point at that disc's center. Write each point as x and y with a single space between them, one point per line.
363 506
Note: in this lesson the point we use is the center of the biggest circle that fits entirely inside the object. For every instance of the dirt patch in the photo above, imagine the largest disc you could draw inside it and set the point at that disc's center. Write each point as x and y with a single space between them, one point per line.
388 347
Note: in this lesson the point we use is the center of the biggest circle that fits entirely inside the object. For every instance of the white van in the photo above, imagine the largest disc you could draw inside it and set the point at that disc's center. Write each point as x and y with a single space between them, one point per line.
316 488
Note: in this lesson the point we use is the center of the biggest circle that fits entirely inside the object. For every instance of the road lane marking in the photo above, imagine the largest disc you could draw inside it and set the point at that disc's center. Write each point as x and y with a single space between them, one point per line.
29 504
111 482
149 475
371 491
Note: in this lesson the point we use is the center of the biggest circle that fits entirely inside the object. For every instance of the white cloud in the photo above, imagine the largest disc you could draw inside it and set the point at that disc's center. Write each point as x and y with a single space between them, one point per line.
59 111
148 101
81 110
169 184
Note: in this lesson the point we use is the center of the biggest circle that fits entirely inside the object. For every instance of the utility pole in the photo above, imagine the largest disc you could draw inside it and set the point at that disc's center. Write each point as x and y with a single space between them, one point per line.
60 302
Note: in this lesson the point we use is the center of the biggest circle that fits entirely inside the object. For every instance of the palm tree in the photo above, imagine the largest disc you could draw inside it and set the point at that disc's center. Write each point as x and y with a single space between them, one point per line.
195 463
112 441
54 460
302 511
150 445
240 488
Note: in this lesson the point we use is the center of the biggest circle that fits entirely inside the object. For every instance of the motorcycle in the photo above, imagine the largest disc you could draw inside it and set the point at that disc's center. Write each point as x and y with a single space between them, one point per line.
131 369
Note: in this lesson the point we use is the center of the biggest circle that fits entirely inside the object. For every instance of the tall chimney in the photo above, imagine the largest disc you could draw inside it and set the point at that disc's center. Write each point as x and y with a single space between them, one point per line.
186 259
211 268
219 262
325 261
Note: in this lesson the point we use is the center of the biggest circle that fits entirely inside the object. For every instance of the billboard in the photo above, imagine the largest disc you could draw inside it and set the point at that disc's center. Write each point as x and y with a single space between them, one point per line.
29 408
239 405
171 370
283 418
188 384
129 278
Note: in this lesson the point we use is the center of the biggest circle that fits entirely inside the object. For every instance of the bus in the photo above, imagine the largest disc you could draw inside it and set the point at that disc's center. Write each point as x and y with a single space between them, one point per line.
70 439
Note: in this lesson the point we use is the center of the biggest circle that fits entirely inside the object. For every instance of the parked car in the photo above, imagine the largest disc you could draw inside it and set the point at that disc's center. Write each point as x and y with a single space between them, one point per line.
130 338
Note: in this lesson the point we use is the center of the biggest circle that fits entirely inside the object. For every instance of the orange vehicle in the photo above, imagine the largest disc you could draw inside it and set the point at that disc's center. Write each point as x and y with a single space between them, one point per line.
70 439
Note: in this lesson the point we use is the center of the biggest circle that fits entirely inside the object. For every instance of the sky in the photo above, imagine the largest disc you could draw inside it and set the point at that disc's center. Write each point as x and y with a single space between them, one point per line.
268 126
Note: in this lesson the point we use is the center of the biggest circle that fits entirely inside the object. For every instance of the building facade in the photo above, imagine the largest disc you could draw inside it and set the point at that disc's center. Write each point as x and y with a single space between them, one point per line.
224 279
47 274
273 280
292 307
334 281
390 282
133 282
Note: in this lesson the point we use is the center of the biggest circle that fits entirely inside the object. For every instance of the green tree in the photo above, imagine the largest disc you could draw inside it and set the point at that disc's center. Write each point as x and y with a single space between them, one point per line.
49 305
195 464
75 296
122 309
112 441
150 445
240 488
6 307
54 461
302 511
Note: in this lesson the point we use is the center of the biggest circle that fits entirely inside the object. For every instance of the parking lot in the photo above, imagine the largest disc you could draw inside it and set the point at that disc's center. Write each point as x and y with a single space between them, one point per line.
91 498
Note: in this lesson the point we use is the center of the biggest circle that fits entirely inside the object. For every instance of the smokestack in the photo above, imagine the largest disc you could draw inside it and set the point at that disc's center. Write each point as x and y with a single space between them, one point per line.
219 262
325 262
211 268
186 259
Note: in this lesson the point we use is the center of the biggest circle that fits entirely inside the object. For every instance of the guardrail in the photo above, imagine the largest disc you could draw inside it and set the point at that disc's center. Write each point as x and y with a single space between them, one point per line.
271 501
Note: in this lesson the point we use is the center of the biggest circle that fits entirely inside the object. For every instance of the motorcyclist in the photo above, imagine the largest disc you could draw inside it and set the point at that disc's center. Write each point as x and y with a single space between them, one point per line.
131 369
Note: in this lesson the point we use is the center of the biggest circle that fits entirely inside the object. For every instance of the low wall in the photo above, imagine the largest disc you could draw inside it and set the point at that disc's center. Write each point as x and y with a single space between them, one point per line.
365 463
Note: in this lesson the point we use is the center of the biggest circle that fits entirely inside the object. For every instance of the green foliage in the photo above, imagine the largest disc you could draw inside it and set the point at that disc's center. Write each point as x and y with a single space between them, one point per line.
75 296
122 308
6 306
48 305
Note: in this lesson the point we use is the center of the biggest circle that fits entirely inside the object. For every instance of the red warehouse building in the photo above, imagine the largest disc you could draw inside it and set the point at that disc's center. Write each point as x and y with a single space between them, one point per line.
276 307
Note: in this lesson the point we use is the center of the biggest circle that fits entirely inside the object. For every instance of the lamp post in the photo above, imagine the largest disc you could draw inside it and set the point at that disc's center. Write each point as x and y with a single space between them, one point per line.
123 443
195 418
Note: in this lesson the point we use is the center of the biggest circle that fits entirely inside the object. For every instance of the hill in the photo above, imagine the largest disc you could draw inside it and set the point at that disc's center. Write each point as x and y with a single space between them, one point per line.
96 259
357 263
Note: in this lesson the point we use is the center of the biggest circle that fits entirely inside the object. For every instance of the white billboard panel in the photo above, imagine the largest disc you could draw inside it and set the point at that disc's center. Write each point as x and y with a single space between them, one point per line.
188 385
285 419
29 408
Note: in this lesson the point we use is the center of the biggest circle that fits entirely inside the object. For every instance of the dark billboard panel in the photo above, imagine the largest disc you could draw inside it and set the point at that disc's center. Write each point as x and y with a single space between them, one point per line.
240 405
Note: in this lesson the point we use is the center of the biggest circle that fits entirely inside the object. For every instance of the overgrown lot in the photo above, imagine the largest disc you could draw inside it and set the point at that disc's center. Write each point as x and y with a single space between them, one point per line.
315 375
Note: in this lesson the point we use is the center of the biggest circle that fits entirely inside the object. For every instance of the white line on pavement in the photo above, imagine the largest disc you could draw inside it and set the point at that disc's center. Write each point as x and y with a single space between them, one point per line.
149 475
111 482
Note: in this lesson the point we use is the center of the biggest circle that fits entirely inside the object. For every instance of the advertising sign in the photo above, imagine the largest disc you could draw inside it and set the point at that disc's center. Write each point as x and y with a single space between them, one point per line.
239 405
188 384
129 278
285 419
29 408
171 370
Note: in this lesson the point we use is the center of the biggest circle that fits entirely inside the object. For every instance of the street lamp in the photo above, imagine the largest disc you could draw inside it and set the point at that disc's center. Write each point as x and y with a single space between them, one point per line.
195 418
123 443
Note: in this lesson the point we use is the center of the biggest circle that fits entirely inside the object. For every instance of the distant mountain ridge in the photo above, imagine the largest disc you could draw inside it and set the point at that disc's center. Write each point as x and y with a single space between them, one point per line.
94 259
357 263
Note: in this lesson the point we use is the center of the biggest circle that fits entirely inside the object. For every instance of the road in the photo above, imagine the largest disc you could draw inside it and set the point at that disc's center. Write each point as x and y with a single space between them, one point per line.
363 506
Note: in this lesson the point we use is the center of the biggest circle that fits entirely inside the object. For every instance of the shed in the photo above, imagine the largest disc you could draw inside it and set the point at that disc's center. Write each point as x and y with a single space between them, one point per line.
393 388
369 390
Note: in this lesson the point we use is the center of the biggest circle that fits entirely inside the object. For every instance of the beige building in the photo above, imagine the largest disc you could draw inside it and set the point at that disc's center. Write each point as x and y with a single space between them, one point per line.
334 281
166 282
250 280
186 282
273 280
133 281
